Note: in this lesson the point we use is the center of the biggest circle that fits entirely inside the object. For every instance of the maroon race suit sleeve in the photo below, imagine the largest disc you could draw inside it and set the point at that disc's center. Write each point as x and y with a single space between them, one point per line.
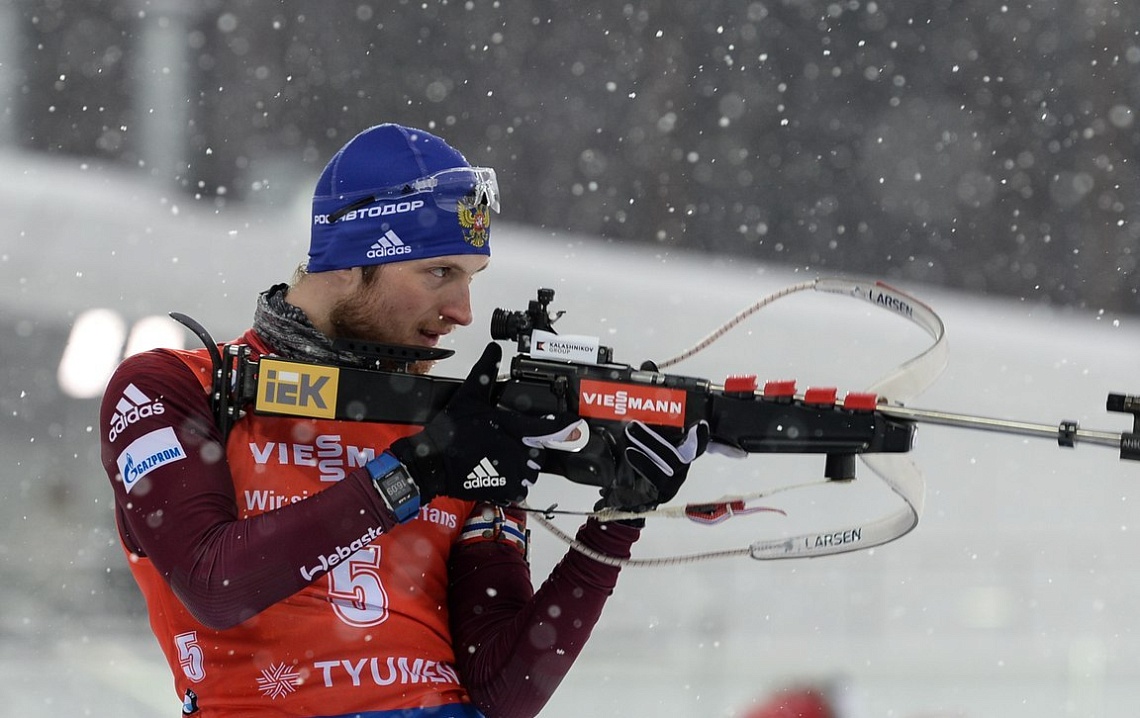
513 645
183 515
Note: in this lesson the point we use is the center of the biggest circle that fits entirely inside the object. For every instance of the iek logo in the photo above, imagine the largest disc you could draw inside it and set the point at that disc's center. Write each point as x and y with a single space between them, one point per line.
290 387
297 389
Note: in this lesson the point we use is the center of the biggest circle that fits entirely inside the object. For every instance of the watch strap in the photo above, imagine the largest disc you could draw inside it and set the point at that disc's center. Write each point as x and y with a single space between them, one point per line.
395 486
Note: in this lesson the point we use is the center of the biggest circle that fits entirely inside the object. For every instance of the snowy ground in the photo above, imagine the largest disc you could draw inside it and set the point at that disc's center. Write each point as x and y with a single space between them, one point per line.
1016 595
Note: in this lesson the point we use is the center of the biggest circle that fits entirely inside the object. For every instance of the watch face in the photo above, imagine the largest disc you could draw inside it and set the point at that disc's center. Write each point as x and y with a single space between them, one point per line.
397 487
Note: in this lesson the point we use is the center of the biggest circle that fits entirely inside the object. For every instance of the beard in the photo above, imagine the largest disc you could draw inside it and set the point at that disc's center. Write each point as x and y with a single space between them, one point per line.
354 317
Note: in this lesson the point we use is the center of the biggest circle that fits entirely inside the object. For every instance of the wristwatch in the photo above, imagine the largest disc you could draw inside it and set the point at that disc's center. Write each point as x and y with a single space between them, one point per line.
395 486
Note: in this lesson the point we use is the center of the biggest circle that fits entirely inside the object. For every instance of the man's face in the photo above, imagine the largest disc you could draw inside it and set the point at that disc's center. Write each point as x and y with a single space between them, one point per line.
413 303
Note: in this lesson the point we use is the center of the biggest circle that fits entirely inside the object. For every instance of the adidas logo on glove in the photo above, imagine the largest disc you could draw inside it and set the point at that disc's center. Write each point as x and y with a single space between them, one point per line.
484 475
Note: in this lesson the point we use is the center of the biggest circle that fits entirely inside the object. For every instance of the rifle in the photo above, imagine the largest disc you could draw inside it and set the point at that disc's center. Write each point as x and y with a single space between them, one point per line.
559 374
577 375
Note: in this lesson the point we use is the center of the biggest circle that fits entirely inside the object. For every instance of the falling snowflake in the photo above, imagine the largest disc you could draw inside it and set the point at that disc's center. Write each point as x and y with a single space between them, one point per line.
278 680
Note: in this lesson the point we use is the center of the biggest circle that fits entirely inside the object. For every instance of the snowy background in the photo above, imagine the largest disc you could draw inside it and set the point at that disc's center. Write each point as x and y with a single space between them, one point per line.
1015 596
877 136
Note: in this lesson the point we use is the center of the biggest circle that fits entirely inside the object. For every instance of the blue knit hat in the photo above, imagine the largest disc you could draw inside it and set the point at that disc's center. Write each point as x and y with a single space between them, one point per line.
395 193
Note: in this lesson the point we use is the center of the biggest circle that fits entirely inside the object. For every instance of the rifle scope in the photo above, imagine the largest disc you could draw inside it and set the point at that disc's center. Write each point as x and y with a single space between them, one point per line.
513 325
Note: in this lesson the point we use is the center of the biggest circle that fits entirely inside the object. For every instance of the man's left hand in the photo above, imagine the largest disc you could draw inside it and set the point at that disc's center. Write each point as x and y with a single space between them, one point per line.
651 469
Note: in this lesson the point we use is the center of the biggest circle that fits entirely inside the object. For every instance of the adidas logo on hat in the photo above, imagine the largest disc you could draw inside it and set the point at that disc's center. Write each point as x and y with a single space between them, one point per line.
132 406
484 475
389 245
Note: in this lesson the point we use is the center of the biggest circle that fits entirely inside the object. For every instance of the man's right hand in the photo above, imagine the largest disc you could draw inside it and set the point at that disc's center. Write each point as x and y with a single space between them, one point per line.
478 451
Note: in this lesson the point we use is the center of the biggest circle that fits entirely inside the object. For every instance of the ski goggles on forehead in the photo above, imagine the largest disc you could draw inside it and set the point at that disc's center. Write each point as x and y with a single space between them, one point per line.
469 186
449 189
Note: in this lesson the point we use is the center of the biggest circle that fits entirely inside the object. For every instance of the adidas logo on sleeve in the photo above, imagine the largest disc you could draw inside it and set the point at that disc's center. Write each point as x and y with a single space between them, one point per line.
389 245
133 405
484 475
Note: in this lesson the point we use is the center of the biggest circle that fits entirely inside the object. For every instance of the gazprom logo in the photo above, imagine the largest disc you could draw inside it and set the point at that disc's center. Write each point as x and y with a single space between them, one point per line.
148 452
296 389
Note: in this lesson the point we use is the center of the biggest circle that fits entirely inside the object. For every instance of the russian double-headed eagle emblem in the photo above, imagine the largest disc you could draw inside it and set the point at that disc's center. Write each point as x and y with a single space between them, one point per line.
476 222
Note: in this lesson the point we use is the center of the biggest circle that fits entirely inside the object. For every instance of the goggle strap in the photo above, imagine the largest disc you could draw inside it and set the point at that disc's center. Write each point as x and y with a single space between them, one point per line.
358 204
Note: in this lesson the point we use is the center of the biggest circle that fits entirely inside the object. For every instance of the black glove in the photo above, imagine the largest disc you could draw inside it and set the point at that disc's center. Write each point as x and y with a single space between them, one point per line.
651 469
477 451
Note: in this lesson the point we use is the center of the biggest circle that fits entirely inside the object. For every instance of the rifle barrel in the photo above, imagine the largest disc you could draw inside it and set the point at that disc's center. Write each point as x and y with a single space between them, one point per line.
1005 426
